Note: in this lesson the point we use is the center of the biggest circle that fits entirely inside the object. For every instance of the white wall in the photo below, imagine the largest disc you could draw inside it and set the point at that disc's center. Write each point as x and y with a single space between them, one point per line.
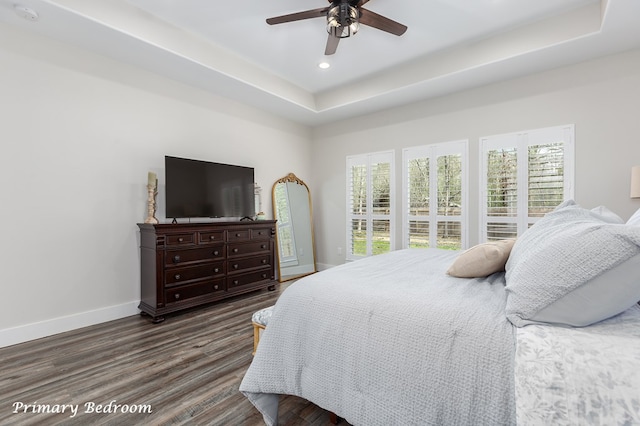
79 132
600 97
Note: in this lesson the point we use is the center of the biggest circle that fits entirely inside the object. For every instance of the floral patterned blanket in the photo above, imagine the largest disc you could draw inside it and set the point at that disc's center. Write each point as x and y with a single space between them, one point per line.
579 376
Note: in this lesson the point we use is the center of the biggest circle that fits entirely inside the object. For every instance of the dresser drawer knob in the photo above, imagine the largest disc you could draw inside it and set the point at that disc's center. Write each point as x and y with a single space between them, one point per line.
215 287
264 275
212 237
176 259
216 252
177 295
259 232
235 250
238 235
236 282
235 266
216 270
264 246
176 276
264 261
180 239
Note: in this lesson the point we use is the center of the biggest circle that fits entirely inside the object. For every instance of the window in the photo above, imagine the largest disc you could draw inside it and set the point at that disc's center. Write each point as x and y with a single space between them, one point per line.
523 176
434 186
370 212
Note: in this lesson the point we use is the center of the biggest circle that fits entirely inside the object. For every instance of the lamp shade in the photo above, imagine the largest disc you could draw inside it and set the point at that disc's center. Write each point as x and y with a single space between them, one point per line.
635 182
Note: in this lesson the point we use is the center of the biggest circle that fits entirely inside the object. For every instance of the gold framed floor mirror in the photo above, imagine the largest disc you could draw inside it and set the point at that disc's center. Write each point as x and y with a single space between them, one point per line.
295 242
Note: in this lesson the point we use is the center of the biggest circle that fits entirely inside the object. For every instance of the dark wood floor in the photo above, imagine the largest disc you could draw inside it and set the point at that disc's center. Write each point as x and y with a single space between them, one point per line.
187 369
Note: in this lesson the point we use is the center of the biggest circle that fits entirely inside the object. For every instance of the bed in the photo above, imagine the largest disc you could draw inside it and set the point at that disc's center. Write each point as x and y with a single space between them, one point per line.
547 332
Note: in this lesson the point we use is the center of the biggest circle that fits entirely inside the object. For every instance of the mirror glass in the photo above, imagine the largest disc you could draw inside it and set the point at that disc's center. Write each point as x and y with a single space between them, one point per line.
294 236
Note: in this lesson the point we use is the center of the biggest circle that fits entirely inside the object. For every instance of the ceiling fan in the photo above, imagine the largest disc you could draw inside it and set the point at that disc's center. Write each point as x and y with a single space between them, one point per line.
343 19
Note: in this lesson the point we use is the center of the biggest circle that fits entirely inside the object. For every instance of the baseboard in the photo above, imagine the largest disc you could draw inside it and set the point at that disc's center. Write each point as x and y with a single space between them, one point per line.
37 330
323 266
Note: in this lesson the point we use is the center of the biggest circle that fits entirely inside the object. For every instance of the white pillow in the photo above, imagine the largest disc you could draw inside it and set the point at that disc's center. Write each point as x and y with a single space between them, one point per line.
605 214
635 219
482 260
573 267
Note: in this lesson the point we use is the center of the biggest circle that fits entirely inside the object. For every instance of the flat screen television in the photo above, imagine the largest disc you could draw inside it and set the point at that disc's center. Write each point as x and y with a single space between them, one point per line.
205 189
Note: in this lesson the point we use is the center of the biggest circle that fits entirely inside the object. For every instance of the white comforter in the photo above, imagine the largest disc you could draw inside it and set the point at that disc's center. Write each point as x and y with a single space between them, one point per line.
390 340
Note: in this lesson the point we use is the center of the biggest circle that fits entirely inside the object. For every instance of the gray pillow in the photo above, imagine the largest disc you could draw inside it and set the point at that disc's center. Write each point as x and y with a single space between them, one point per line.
635 219
600 212
573 267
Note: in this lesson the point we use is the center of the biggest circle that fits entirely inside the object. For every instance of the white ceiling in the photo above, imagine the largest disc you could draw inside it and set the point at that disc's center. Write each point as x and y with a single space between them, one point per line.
227 47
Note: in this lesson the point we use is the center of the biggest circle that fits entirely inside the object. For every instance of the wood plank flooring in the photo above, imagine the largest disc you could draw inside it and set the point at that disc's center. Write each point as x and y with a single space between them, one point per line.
186 370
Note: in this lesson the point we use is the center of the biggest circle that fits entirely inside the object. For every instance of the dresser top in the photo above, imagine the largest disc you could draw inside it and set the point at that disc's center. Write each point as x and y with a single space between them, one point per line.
202 225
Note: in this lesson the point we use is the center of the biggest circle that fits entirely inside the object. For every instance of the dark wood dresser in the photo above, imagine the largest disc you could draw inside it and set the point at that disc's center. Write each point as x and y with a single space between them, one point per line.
186 265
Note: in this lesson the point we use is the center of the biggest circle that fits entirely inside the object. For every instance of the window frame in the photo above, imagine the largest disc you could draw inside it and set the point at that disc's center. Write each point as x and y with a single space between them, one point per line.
521 141
432 152
368 160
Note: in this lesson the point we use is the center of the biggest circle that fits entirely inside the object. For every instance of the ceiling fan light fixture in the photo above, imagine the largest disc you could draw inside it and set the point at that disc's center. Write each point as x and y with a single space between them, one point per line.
342 20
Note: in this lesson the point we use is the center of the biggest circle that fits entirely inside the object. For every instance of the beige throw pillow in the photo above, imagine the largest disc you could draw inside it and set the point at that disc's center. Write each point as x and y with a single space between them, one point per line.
482 260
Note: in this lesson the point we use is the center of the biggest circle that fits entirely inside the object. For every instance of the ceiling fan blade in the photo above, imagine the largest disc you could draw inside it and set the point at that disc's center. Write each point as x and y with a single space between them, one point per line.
380 22
332 45
356 3
307 14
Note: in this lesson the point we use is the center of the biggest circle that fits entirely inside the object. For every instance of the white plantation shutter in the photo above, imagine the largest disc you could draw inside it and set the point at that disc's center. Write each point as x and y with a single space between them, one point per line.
501 202
435 195
357 212
524 175
416 200
546 178
370 208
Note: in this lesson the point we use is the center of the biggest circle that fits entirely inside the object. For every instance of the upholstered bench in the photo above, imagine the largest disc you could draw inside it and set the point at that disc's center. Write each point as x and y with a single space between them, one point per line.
259 320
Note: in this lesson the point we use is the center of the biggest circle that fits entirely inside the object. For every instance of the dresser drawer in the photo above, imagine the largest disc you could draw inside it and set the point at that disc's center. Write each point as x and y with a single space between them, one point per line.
184 292
177 257
261 234
238 235
248 248
239 281
210 237
180 239
248 263
176 276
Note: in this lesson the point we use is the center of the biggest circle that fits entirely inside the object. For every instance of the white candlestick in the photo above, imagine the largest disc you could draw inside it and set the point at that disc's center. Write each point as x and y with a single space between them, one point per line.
152 179
151 204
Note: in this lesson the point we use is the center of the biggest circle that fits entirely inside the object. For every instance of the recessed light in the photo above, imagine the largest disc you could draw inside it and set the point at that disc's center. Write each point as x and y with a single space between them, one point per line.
324 65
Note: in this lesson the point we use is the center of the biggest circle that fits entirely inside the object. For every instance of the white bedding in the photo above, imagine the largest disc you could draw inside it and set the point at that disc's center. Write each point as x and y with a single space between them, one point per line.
579 376
393 340
390 340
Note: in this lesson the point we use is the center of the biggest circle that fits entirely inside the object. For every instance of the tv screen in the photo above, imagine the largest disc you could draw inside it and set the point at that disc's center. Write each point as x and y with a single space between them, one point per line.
197 188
